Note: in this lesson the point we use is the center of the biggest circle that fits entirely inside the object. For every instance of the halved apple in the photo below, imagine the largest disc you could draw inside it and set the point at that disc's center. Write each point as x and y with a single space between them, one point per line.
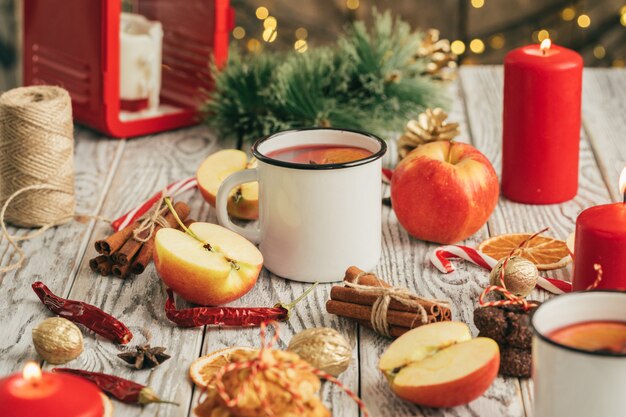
243 202
439 365
220 268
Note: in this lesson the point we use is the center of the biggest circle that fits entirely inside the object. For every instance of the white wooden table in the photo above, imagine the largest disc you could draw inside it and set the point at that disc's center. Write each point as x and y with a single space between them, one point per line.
112 176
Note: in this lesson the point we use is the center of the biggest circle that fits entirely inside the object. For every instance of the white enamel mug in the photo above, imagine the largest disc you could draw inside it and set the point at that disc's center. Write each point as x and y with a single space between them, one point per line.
572 382
314 220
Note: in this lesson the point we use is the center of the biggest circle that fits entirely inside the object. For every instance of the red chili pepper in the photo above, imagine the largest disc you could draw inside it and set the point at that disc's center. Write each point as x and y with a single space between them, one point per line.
228 316
126 391
89 316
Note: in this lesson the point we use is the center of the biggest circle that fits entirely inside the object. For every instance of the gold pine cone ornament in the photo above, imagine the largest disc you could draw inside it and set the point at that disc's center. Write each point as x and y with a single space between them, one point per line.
441 62
429 126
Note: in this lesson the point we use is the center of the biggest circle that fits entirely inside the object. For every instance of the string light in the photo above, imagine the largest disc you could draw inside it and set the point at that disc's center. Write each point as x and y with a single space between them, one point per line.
478 3
352 4
477 46
302 33
262 13
619 63
622 19
583 21
269 35
497 41
253 45
599 52
568 14
457 47
543 34
622 10
300 46
239 32
270 22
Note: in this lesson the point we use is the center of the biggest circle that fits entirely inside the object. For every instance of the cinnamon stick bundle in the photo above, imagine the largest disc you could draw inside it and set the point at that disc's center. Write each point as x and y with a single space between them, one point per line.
122 254
403 312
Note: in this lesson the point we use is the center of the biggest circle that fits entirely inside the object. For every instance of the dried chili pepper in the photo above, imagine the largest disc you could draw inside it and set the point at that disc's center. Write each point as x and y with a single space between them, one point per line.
89 316
124 390
228 316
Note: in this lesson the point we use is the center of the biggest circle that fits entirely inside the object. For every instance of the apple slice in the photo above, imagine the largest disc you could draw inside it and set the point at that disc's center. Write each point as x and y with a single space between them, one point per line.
421 342
243 202
440 365
453 376
220 268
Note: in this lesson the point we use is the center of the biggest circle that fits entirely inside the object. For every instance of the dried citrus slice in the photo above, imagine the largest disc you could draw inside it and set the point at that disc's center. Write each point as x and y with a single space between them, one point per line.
205 367
545 252
570 244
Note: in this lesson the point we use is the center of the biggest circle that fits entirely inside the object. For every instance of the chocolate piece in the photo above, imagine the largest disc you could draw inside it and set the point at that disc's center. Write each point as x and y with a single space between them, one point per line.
491 322
519 335
515 362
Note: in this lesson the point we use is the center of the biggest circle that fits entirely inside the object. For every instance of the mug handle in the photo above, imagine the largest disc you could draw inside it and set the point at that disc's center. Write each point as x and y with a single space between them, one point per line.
221 202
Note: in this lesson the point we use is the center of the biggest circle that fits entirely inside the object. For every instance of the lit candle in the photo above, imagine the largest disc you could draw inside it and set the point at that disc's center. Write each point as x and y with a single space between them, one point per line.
36 393
601 239
541 124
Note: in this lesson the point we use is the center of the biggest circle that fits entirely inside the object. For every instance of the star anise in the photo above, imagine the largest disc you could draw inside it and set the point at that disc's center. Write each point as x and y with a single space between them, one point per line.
145 356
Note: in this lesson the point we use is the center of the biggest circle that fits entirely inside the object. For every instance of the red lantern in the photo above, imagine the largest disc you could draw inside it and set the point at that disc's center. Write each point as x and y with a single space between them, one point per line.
76 44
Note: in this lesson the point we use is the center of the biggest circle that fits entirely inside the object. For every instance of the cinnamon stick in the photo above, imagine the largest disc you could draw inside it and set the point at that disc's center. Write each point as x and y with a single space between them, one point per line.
370 279
144 256
360 312
121 271
356 296
114 242
394 331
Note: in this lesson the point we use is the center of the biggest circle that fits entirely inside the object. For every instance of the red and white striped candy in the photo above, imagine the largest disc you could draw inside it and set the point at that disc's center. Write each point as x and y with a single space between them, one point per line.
441 256
173 189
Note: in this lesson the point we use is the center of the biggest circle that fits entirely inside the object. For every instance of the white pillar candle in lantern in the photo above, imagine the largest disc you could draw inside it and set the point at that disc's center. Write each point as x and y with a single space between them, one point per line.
140 61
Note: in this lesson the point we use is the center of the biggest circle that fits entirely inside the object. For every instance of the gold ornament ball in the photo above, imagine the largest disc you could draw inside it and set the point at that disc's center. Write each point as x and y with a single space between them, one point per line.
520 275
324 348
57 340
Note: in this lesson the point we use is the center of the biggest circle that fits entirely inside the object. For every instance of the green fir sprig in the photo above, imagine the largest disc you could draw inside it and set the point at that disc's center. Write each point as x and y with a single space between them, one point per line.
371 80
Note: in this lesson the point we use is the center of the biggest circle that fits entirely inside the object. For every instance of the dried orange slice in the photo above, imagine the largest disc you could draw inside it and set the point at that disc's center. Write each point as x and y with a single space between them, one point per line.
205 367
545 252
571 240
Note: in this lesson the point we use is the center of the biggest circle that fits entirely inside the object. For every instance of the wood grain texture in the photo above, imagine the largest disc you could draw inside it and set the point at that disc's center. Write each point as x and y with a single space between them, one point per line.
53 257
405 263
604 119
146 166
113 176
483 96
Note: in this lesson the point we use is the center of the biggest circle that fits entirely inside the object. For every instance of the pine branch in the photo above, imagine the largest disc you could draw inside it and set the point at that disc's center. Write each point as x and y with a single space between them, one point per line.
371 80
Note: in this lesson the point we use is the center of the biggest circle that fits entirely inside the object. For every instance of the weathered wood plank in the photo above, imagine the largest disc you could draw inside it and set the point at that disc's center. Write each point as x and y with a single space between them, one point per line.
604 119
405 263
147 165
483 92
54 256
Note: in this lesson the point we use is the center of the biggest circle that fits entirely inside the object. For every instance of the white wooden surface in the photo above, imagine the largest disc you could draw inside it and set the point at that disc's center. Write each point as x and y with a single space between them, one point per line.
113 176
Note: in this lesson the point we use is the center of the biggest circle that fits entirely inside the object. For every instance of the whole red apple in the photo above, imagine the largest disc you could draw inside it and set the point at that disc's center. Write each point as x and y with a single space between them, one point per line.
444 191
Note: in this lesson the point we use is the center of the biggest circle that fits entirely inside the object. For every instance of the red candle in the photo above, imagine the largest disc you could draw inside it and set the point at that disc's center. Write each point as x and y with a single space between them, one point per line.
541 124
35 394
601 239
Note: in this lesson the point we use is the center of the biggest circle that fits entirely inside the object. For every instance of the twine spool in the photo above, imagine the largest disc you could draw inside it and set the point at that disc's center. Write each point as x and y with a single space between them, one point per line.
36 156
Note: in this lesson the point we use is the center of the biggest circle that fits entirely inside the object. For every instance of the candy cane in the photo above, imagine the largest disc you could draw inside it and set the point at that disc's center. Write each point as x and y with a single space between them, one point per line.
173 189
441 256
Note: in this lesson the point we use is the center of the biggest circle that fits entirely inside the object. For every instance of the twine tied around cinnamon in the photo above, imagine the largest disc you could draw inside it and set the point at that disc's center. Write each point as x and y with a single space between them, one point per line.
385 295
152 218
260 364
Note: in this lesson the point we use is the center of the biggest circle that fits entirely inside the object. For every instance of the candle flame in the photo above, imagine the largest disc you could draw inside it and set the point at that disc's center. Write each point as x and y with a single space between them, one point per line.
622 182
31 372
545 45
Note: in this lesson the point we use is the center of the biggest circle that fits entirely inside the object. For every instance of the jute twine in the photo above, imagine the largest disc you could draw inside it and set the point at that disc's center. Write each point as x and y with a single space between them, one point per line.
385 295
36 160
153 218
